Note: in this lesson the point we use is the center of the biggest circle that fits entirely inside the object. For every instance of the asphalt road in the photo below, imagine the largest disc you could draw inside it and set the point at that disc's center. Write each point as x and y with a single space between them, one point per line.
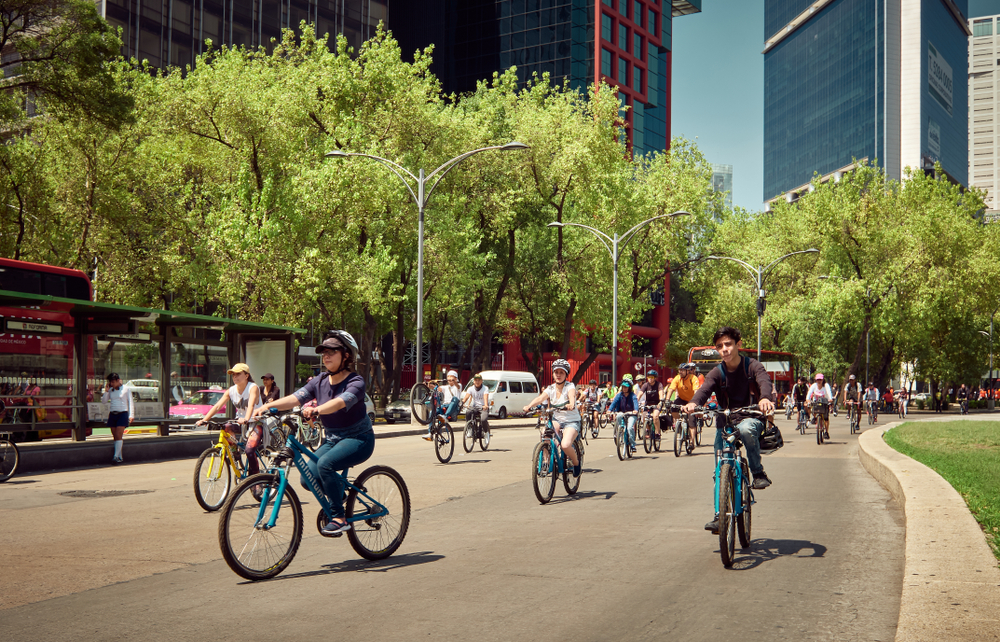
626 558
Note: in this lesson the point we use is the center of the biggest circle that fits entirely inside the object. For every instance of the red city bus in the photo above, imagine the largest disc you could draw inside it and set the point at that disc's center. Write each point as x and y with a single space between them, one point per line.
36 365
779 365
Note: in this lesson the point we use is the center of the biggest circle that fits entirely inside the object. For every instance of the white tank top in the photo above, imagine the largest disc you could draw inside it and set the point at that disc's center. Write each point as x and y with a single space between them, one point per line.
562 416
242 401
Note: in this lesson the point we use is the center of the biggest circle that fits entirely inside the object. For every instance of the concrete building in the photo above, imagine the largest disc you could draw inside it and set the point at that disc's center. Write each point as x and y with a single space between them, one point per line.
984 106
848 80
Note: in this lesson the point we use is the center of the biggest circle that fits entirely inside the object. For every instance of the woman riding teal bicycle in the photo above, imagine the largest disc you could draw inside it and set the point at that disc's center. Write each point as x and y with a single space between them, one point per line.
350 439
626 401
566 420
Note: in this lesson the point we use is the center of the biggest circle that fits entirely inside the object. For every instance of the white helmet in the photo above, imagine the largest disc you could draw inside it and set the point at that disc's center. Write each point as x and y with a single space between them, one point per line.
561 364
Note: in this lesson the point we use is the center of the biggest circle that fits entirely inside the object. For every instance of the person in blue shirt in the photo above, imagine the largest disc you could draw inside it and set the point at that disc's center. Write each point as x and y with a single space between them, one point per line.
626 401
340 399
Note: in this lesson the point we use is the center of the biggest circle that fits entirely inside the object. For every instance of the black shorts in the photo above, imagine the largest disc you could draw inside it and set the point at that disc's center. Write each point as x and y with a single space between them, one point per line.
118 420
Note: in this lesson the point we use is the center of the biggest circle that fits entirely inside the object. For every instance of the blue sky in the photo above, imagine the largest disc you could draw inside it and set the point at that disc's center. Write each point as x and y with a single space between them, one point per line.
718 90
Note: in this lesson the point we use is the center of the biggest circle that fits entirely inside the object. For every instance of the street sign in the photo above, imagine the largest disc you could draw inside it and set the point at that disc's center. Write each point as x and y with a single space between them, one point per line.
32 327
638 367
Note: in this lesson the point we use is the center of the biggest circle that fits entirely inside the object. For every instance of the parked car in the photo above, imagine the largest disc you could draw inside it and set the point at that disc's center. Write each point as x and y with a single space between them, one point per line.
145 389
509 391
398 411
195 406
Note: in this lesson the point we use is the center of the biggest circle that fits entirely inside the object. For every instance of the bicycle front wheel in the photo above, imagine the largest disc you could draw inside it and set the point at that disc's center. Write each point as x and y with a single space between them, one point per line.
485 436
9 458
543 471
376 538
697 435
251 549
744 522
444 442
647 438
571 483
657 437
621 445
727 520
212 479
819 432
602 422
469 438
677 441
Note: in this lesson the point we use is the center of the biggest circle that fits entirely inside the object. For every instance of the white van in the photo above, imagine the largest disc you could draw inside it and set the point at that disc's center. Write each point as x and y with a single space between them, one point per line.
509 391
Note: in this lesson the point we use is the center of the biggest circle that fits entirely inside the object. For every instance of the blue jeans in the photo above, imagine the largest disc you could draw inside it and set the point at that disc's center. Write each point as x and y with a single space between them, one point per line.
451 414
336 454
750 432
630 426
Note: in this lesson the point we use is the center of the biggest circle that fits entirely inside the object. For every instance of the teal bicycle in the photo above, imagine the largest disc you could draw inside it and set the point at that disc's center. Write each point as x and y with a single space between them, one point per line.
624 442
257 545
548 461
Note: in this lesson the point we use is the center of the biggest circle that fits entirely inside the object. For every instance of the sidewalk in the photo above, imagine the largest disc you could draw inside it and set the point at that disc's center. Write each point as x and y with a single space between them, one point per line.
951 582
144 445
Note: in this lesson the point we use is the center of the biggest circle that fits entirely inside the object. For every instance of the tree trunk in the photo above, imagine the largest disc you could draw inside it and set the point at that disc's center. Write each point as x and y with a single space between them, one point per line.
583 367
568 328
365 365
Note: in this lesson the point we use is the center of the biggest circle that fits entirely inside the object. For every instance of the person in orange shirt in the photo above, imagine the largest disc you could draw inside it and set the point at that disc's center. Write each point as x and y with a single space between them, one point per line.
684 385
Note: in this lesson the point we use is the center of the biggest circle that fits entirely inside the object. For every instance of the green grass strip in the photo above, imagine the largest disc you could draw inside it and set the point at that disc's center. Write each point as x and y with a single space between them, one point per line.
967 454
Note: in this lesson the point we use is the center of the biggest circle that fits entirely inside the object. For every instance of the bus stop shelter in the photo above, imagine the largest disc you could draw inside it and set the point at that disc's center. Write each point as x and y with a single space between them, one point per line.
60 347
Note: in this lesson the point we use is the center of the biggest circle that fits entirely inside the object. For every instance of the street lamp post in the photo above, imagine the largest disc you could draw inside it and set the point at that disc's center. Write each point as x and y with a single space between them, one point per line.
990 403
420 197
759 274
614 245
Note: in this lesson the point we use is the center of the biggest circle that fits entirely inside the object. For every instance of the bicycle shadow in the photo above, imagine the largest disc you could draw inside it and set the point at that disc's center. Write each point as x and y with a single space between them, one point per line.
498 450
584 494
765 550
365 566
467 461
16 482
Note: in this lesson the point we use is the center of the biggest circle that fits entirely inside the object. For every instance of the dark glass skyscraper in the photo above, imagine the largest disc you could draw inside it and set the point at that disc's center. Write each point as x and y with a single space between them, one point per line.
626 43
846 80
173 32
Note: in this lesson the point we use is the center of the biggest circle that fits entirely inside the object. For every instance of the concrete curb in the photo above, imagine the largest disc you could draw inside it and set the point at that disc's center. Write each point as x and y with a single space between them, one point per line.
951 583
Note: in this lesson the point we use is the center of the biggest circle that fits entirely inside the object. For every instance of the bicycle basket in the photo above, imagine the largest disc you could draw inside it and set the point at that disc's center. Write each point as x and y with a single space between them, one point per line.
420 396
771 440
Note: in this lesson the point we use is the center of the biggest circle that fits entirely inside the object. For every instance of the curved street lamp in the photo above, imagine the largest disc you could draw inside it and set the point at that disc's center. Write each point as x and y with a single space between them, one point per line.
613 244
420 197
759 274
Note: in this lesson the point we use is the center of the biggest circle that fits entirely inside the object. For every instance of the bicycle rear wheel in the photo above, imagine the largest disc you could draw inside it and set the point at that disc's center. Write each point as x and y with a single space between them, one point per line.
602 422
571 483
377 538
485 436
469 438
9 458
444 442
212 479
252 550
744 522
727 521
543 471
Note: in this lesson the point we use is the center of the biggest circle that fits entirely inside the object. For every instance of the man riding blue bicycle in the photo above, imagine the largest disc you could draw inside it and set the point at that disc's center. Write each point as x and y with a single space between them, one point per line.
626 401
738 382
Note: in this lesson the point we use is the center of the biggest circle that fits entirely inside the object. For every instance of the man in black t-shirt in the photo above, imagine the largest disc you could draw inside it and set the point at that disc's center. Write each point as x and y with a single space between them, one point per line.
799 392
746 384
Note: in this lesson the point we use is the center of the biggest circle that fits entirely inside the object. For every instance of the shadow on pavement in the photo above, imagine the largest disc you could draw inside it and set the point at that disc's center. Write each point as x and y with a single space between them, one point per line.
467 461
21 481
498 450
765 550
584 494
365 566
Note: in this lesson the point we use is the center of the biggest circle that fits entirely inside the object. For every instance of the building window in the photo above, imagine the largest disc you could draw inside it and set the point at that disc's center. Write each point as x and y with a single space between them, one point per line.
606 27
651 23
637 79
637 46
610 3
622 37
622 72
637 13
982 27
605 62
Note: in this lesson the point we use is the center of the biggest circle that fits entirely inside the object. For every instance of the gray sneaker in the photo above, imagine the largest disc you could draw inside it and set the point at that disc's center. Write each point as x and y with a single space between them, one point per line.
713 525
760 481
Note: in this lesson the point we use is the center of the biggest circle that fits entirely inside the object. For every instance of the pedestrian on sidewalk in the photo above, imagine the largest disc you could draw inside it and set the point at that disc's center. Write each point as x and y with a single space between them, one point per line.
270 392
122 412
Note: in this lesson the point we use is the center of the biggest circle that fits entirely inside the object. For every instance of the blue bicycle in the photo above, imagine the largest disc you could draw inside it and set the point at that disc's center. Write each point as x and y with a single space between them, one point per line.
624 442
257 545
733 495
548 461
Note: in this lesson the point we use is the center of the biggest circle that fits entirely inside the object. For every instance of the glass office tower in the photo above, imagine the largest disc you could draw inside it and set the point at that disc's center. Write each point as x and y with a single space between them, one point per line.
626 43
173 32
846 80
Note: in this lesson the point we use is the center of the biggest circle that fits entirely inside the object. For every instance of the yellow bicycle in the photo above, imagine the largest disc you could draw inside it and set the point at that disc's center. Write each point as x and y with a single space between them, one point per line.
219 465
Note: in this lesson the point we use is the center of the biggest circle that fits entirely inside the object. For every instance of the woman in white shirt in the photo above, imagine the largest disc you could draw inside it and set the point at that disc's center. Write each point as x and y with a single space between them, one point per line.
820 391
452 396
245 397
566 420
122 412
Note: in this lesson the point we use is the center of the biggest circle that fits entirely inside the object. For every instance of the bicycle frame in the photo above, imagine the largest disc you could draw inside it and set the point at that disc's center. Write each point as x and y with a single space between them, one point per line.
555 445
299 452
731 454
227 458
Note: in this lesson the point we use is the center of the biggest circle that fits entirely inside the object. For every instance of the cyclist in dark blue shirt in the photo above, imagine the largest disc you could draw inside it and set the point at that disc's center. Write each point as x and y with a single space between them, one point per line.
340 404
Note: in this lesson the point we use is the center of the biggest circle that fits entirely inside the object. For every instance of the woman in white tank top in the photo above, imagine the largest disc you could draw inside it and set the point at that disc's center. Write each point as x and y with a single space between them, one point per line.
567 419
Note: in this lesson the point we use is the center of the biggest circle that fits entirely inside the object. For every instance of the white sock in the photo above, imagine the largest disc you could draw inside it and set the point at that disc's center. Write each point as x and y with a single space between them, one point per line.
118 449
